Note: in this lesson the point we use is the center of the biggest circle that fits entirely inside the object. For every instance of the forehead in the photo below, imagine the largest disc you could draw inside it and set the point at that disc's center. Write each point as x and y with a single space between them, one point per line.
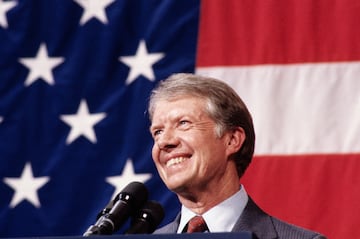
176 106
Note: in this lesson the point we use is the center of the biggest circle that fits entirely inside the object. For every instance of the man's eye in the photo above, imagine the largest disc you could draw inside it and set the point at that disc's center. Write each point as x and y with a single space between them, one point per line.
184 122
157 132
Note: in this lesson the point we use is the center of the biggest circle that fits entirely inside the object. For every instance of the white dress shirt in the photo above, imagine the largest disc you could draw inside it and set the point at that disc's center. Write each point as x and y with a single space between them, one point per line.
222 217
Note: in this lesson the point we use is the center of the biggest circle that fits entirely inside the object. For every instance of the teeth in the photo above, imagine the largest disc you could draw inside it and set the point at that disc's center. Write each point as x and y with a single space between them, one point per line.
174 161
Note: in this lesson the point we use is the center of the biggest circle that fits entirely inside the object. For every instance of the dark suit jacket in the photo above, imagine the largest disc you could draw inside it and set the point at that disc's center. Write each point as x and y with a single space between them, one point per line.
262 225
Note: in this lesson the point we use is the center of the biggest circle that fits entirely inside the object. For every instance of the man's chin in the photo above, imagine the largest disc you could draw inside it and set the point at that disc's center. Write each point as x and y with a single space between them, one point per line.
176 187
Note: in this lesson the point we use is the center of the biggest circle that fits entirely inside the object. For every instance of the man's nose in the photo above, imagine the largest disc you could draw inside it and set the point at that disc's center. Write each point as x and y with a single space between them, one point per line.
167 140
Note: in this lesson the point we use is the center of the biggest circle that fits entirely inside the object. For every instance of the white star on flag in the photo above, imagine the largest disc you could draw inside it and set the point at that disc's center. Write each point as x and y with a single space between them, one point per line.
82 123
26 187
1 119
128 175
41 66
141 63
5 6
94 8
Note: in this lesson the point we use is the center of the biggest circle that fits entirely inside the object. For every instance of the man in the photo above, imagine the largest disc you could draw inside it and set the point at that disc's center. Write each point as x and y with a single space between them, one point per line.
203 142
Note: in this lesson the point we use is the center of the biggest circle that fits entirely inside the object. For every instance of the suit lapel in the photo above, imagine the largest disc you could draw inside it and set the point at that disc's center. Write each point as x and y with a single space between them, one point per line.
255 220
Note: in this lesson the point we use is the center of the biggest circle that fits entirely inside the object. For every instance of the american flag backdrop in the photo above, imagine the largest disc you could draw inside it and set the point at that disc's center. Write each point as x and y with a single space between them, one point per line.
75 76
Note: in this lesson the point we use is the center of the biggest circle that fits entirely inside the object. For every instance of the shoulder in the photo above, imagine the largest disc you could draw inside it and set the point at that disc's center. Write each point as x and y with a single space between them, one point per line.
265 226
287 230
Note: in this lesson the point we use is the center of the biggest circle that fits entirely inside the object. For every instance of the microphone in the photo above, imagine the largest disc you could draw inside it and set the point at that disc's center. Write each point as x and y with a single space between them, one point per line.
147 219
107 208
125 204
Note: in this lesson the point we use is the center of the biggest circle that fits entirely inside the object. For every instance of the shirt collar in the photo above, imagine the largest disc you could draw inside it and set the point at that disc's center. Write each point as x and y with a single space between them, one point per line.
223 216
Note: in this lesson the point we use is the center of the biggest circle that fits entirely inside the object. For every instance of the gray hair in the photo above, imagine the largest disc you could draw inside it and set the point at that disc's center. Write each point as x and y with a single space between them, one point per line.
224 106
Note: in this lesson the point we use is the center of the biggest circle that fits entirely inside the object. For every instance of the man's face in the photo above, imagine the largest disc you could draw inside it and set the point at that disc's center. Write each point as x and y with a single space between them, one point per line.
186 150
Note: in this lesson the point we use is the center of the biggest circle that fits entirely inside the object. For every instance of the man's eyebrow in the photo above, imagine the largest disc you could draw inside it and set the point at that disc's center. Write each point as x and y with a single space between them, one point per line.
152 127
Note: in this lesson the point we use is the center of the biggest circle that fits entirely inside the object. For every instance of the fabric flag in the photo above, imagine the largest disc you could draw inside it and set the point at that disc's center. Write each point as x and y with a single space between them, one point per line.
75 79
296 65
75 76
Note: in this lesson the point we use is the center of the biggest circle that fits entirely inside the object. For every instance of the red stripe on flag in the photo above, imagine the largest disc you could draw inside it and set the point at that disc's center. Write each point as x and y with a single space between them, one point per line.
278 31
324 195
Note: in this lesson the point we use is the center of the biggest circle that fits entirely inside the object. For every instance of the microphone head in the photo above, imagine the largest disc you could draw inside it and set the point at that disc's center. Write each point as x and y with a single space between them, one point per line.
147 219
132 191
135 193
155 211
117 211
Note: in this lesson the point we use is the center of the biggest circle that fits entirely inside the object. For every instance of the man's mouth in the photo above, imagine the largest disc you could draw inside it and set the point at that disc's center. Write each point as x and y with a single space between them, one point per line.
174 161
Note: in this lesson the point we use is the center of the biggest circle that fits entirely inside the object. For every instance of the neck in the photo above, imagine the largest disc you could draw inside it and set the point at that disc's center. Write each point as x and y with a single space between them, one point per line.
200 200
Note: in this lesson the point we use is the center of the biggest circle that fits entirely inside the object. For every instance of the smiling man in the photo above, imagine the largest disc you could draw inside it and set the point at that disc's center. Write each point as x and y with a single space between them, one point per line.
203 143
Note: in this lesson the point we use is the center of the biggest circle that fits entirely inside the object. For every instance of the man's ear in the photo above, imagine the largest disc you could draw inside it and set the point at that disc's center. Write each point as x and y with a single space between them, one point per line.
235 140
